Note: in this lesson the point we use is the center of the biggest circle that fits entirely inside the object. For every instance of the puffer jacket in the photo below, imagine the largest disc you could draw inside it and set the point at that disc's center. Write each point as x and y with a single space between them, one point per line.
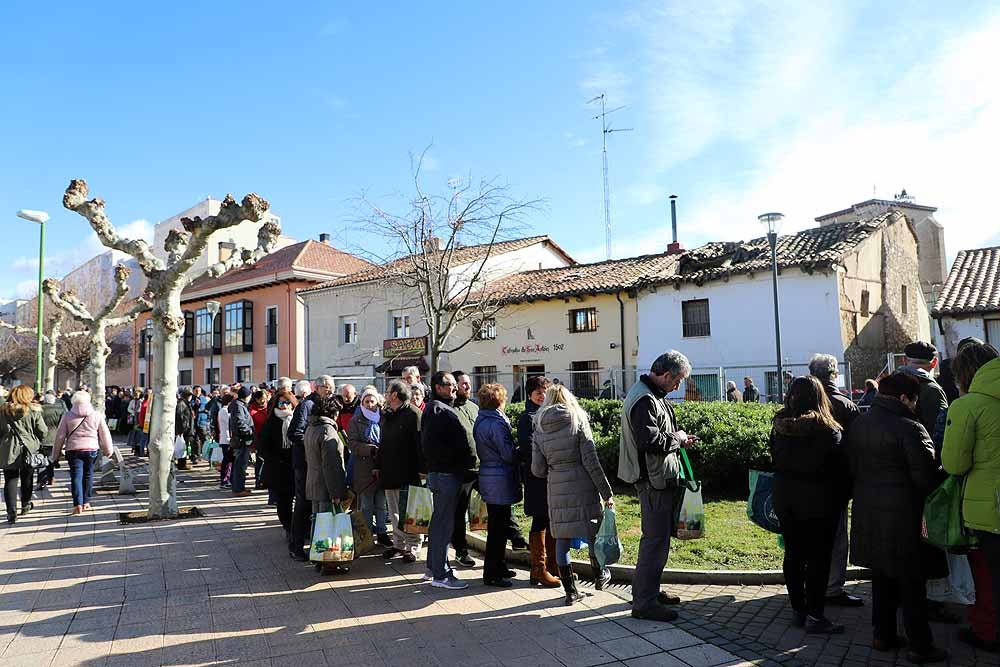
362 454
52 413
499 482
82 429
20 436
972 448
811 479
324 450
567 458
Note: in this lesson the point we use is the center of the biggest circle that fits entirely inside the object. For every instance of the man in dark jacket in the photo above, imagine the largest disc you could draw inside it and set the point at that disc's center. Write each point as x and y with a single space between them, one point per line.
240 440
398 464
467 410
824 367
921 360
183 425
750 392
302 511
450 457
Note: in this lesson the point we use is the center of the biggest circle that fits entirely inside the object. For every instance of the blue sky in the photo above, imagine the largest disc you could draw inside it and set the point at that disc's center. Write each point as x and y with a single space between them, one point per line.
737 107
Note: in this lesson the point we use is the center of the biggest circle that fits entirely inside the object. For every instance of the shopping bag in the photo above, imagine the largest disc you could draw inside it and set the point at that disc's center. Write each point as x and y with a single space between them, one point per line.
364 541
207 449
332 538
760 504
477 511
942 521
691 519
216 458
607 548
180 447
419 508
112 423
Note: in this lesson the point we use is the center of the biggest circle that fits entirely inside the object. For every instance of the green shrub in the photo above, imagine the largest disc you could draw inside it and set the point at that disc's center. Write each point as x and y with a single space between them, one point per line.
734 438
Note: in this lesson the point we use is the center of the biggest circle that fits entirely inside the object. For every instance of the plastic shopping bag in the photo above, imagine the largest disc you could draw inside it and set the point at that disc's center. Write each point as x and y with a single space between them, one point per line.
216 458
112 423
942 523
477 511
607 548
180 447
419 508
691 519
760 504
207 449
332 538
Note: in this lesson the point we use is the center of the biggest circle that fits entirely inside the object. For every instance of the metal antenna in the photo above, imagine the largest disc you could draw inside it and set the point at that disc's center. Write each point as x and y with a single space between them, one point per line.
605 131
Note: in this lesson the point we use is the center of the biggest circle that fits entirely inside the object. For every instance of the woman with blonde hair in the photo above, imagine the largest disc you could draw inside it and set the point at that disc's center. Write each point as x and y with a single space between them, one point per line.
22 430
563 452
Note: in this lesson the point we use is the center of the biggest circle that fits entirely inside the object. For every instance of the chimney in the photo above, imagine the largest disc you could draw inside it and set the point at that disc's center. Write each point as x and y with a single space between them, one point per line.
675 247
324 238
433 244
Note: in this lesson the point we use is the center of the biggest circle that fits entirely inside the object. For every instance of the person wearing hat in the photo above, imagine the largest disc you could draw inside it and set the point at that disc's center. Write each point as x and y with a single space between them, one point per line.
240 440
920 362
946 377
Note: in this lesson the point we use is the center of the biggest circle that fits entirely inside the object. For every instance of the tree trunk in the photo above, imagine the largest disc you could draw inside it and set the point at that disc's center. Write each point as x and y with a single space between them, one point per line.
168 322
99 352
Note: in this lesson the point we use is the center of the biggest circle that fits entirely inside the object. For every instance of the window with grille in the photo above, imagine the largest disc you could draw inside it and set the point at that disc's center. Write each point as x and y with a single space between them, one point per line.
485 329
184 378
582 320
695 318
865 303
271 325
399 324
243 374
239 326
187 338
272 372
483 375
771 386
707 385
207 341
586 379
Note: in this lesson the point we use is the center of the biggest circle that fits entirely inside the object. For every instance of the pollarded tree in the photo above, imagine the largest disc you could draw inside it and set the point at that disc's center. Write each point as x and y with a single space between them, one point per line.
165 280
97 326
55 355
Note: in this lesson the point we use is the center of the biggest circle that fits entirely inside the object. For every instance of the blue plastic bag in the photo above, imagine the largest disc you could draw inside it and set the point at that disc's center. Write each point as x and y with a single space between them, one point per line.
607 548
760 504
577 543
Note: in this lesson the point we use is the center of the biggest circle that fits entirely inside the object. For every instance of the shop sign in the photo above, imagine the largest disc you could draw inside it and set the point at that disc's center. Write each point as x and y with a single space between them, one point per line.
410 347
532 348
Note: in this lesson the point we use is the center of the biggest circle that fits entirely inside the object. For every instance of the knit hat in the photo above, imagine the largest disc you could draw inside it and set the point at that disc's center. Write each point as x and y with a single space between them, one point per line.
371 391
920 351
244 392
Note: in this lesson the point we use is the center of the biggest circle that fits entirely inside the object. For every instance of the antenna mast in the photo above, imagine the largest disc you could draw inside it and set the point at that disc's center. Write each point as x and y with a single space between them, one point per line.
605 131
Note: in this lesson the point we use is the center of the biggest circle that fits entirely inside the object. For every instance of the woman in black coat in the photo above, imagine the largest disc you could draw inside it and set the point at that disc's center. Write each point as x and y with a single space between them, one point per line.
810 493
893 466
536 502
275 450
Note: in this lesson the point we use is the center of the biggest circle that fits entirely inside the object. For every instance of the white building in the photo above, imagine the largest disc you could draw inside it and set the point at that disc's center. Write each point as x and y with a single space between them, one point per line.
969 305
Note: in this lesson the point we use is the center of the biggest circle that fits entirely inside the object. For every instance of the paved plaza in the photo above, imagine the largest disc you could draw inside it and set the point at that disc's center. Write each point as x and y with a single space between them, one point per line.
221 590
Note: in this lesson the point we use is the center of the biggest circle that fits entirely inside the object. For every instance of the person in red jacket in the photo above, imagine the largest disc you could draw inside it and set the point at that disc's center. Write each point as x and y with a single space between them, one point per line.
350 400
258 414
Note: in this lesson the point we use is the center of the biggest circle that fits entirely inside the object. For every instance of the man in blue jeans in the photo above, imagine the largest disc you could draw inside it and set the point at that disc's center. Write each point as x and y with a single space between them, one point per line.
449 455
240 439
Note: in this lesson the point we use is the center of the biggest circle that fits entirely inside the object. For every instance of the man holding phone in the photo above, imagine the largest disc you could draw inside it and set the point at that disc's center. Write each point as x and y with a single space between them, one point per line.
648 457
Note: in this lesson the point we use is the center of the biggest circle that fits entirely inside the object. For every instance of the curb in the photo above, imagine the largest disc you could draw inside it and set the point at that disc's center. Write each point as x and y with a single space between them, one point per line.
624 573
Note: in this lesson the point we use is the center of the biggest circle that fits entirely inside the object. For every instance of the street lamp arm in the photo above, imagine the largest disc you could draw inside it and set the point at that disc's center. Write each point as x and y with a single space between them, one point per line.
75 199
67 301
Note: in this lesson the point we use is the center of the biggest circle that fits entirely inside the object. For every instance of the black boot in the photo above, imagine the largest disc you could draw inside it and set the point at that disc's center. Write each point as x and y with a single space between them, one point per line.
602 577
566 575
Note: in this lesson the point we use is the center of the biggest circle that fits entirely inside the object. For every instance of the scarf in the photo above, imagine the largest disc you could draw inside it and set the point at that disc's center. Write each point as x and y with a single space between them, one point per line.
374 432
286 418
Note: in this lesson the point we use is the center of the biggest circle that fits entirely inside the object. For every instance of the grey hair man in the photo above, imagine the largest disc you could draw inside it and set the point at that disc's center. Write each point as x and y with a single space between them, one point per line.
302 389
826 369
283 383
648 457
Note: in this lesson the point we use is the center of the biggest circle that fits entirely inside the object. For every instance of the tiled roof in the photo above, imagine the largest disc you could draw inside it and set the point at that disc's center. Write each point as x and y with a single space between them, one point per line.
310 255
463 255
598 278
815 248
973 285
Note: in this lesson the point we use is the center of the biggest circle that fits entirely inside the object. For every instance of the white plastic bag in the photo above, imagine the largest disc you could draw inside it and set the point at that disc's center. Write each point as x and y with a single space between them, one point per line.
691 520
180 447
958 587
216 458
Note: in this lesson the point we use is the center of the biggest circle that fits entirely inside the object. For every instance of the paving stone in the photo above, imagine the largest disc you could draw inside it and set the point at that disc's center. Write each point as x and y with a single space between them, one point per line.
704 655
629 647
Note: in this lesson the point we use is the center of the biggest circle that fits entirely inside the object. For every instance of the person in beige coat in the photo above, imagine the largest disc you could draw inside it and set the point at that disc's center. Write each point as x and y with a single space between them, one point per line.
326 480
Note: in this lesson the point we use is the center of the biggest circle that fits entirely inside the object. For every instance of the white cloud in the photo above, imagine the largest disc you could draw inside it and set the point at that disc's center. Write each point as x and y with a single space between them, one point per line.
574 140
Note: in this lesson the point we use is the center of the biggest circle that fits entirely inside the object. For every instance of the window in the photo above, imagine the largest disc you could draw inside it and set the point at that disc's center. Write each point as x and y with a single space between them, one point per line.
349 330
904 300
211 376
484 329
187 338
184 378
243 374
142 379
993 332
144 347
483 375
272 372
586 379
696 321
271 325
207 341
239 327
582 320
865 303
707 386
399 324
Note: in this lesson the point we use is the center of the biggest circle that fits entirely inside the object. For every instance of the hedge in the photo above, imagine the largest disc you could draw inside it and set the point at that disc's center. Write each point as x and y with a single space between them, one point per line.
733 439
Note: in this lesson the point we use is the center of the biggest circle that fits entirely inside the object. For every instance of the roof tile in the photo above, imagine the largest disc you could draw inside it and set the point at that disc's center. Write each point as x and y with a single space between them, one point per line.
973 284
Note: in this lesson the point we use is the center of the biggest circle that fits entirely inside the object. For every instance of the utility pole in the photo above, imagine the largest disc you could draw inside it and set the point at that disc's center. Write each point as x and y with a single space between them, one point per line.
605 131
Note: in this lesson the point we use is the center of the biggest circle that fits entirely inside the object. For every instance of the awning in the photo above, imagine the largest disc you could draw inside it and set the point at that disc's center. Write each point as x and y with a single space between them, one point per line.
402 361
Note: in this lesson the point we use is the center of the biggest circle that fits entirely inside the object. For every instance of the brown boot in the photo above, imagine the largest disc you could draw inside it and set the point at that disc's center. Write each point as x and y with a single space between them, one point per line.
550 554
539 575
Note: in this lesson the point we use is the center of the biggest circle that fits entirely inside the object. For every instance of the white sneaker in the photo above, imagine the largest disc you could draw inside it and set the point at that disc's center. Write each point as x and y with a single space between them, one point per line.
428 576
451 583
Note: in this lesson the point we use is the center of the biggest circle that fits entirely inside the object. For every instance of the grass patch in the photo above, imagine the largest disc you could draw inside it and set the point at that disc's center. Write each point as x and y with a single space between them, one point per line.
731 542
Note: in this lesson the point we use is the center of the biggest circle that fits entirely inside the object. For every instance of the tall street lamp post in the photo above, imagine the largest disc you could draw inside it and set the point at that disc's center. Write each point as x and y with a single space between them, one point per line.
41 217
772 220
213 308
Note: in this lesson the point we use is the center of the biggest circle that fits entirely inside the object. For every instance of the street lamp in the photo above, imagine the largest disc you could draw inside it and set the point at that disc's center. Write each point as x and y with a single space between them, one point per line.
41 217
148 333
772 220
213 308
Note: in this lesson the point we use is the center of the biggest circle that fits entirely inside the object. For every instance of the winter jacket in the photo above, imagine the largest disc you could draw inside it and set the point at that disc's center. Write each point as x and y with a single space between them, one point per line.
326 478
82 429
258 415
811 479
843 408
52 413
362 453
648 450
932 399
240 425
399 458
467 413
535 494
445 443
199 406
183 419
499 481
214 407
568 459
346 412
143 409
300 419
972 448
276 451
892 463
20 436
751 394
734 396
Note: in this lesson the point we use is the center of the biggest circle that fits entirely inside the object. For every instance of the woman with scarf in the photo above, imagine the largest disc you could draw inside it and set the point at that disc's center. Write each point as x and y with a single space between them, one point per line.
274 448
363 436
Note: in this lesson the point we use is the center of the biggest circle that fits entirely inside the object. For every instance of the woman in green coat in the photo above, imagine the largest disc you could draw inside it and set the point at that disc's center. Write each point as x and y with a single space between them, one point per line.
21 432
972 448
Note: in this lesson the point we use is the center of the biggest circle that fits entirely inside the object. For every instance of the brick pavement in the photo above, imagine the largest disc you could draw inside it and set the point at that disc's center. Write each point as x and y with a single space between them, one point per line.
221 590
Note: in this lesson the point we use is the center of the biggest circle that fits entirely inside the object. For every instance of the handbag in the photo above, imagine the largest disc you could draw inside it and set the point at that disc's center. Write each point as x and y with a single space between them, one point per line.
942 524
691 519
478 518
332 538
